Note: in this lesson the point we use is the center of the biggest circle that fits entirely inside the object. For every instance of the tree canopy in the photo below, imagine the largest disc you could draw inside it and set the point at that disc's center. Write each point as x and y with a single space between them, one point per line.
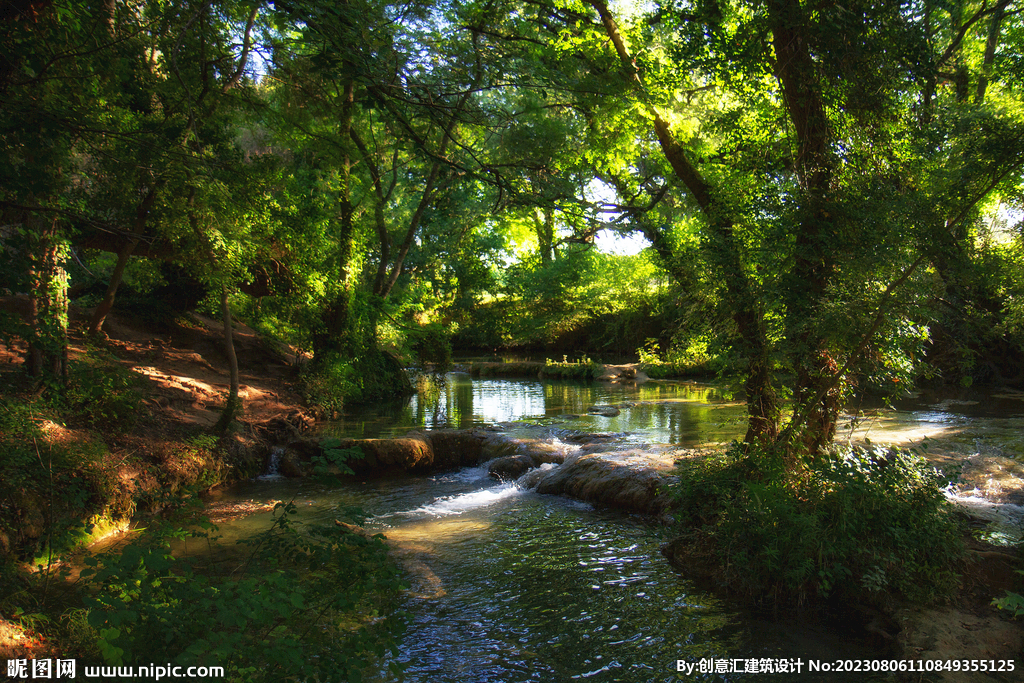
829 192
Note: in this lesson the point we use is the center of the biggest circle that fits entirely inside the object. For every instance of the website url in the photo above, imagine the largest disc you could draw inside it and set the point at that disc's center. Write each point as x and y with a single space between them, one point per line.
65 668
153 671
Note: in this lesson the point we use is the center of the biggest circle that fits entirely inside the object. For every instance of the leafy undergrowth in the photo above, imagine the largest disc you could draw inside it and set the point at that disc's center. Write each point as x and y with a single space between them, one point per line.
312 601
337 380
583 369
860 524
305 601
60 480
696 359
521 369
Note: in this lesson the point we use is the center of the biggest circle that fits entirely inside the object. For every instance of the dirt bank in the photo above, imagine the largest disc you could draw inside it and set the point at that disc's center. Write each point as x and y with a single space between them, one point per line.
174 382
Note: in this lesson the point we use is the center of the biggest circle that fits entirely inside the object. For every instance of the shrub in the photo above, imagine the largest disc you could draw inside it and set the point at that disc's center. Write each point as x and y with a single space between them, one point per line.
862 522
583 369
695 359
307 602
374 375
49 488
1011 602
330 383
102 394
432 344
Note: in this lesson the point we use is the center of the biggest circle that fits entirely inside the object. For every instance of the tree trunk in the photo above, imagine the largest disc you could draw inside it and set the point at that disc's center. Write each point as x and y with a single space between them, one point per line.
725 251
544 225
99 316
991 43
48 307
334 334
141 215
233 405
814 262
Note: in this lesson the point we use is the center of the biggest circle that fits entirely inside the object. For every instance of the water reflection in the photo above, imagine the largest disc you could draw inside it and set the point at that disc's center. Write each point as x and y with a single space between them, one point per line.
683 413
511 586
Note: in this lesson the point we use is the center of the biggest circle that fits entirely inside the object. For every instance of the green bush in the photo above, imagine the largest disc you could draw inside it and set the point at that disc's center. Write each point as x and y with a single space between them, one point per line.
305 602
48 488
330 382
375 375
102 394
696 359
861 522
1011 602
583 369
432 344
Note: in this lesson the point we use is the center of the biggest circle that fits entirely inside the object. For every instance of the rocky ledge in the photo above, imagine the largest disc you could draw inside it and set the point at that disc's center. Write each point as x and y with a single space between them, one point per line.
587 469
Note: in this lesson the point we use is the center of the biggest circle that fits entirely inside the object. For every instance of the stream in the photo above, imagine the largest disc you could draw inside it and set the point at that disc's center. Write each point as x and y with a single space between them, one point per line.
509 585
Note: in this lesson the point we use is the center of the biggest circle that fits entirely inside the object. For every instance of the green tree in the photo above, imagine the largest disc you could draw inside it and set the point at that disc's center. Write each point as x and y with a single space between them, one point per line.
800 171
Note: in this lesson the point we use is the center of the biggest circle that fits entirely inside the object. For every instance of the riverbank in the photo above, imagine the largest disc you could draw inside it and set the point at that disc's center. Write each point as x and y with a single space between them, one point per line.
600 469
131 437
182 386
551 369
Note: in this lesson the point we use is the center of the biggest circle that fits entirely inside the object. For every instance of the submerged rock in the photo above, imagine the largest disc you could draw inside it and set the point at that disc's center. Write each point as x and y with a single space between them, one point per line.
533 477
603 411
497 445
541 452
456 448
607 480
417 452
510 467
624 480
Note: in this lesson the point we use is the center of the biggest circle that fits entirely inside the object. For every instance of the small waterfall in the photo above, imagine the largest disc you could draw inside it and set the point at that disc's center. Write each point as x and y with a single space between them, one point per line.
455 505
273 465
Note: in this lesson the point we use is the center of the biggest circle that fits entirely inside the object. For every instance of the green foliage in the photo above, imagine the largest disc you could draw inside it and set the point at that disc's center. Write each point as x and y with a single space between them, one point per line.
583 369
331 383
857 523
334 459
693 359
49 487
334 379
1011 602
471 192
311 601
582 300
432 344
101 393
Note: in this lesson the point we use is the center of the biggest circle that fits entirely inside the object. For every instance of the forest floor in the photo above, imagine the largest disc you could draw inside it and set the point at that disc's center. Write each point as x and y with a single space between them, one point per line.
186 373
184 385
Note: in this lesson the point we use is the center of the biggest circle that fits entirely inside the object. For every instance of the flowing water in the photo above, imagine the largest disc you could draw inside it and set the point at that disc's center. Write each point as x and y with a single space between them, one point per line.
684 413
509 585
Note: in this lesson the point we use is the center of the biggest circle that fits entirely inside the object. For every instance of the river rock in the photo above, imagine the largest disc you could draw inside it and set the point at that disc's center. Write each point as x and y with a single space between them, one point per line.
380 455
543 451
510 467
606 480
456 448
416 452
603 411
587 438
293 465
497 445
